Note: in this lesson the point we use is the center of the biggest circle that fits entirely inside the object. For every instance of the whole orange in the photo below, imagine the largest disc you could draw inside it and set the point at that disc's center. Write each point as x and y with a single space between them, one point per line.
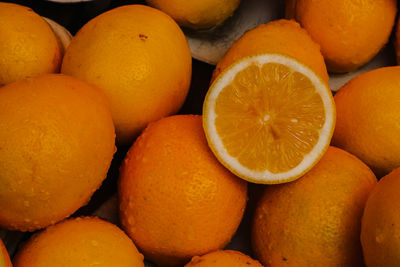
367 119
280 36
28 46
4 258
315 221
350 33
56 145
140 58
379 229
197 14
223 258
79 242
176 200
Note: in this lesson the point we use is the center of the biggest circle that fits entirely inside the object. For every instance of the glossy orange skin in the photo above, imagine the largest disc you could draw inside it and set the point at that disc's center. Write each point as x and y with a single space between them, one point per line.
350 33
282 37
315 221
367 119
57 141
143 65
176 200
79 242
28 46
197 14
223 258
379 230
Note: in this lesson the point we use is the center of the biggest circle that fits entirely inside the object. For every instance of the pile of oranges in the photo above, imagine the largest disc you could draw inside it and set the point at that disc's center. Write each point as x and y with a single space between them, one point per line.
325 167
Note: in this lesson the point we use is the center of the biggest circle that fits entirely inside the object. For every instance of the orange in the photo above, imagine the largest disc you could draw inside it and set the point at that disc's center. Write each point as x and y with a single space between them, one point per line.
79 242
280 36
28 46
57 142
223 258
350 33
315 221
176 200
141 60
197 14
268 118
367 119
379 229
4 258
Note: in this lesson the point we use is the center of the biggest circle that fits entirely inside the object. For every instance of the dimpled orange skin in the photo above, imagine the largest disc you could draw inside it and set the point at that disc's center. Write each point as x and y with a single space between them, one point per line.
141 60
280 36
315 221
4 258
350 33
197 14
28 47
368 118
57 142
176 200
223 258
79 242
379 229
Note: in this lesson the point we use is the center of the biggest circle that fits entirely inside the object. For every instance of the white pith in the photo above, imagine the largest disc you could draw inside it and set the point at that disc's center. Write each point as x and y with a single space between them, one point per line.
231 162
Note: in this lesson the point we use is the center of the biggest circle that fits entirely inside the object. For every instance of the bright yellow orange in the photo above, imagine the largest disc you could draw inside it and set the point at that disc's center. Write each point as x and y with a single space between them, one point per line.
197 14
280 36
379 232
268 118
315 221
79 242
176 200
141 60
367 119
28 46
350 33
223 258
4 258
57 141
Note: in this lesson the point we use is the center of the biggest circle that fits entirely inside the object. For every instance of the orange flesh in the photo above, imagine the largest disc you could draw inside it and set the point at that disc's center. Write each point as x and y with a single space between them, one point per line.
269 117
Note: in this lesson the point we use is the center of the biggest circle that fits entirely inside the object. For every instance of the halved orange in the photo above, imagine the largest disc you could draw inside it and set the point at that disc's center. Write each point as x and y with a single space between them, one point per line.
269 118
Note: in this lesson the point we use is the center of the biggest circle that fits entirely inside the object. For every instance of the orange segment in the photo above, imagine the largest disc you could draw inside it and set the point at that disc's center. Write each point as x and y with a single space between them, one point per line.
279 132
269 118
